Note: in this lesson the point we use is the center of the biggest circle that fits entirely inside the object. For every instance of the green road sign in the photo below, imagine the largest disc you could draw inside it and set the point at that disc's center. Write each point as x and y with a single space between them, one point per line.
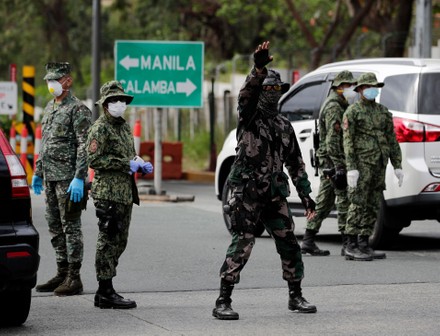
161 73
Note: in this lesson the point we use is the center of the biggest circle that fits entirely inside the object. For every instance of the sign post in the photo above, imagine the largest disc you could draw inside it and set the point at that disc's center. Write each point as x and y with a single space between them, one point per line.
161 74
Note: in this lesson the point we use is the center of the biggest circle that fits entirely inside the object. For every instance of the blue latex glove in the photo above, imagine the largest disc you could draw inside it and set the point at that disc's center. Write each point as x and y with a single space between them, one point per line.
147 168
134 166
76 189
37 184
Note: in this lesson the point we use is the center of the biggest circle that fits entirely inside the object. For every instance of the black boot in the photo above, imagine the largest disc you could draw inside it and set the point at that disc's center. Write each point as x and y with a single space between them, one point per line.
106 297
308 244
344 243
223 309
352 251
58 279
296 301
365 248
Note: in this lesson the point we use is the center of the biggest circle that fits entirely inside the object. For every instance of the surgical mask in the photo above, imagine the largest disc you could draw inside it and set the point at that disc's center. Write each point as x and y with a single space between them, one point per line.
55 87
117 109
350 95
371 93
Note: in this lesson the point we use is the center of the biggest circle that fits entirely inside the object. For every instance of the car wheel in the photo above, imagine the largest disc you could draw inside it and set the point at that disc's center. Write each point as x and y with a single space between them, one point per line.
387 228
226 195
14 307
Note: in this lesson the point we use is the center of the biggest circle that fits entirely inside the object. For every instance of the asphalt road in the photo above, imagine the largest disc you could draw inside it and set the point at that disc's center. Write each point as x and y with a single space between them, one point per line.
171 268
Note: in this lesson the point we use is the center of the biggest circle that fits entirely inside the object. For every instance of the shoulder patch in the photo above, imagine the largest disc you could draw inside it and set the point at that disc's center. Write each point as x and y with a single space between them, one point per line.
337 126
93 146
345 123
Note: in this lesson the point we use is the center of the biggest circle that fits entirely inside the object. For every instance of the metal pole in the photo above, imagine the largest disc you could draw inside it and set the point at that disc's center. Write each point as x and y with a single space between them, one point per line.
96 58
158 151
423 28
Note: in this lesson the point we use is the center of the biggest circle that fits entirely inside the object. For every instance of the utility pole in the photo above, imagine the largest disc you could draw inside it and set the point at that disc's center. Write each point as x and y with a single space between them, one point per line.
423 29
96 57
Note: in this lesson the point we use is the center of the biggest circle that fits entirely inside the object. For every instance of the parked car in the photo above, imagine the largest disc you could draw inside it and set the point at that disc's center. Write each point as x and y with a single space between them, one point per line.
19 240
411 93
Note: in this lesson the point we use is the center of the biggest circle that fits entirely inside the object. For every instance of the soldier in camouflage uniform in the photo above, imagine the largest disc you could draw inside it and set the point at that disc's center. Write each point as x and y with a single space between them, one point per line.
331 156
62 167
111 154
266 142
369 142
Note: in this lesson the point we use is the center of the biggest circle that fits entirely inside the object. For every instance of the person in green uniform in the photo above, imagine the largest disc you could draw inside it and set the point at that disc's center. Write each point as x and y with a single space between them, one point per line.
112 155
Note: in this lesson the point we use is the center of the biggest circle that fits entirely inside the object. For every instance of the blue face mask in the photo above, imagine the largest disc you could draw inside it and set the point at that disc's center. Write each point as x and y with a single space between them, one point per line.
371 93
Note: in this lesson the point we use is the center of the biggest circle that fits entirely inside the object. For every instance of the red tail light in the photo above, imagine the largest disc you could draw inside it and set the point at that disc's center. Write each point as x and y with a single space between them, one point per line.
18 254
19 184
408 130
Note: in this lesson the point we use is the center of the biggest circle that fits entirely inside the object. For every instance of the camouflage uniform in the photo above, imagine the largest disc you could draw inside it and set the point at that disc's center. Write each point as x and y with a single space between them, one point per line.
110 148
369 142
260 187
63 157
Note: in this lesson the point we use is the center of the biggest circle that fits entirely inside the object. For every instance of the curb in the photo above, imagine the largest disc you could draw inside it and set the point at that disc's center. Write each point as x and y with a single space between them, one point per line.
196 176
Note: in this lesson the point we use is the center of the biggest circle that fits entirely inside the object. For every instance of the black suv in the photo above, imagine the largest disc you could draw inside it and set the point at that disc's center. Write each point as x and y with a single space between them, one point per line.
19 239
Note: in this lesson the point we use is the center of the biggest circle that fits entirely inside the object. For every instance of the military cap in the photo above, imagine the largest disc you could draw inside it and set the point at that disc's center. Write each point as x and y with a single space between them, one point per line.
113 89
273 78
343 77
56 70
368 78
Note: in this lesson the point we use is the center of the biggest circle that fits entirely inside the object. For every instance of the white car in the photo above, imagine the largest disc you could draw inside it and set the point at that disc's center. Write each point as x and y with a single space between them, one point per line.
412 94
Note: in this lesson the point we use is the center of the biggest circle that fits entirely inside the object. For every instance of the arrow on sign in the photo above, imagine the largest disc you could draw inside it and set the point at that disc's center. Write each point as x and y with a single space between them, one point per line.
187 87
128 62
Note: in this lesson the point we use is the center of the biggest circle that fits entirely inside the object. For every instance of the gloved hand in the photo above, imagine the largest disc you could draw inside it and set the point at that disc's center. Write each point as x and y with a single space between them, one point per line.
352 178
261 55
399 174
309 205
134 166
76 189
147 168
37 184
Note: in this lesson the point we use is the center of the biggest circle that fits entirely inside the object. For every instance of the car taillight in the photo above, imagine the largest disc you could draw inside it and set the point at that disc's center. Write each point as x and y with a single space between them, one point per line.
408 130
19 184
433 187
18 254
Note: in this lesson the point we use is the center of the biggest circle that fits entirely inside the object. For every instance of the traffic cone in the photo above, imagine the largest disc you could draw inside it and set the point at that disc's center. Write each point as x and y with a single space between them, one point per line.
37 144
137 136
12 139
23 146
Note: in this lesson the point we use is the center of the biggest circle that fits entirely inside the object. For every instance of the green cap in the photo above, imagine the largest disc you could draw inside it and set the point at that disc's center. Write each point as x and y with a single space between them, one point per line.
56 70
113 89
368 78
343 77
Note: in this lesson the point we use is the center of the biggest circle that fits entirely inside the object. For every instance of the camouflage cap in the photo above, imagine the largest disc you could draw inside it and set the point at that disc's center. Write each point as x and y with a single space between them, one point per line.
273 78
56 70
113 89
343 77
368 78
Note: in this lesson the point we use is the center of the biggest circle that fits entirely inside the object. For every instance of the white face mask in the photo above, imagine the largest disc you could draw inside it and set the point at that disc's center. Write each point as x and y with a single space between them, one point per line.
350 95
117 109
55 87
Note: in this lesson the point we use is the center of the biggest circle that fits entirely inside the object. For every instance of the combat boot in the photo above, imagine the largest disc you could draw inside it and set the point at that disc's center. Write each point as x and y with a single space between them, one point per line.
344 243
72 285
309 246
352 251
223 309
365 248
58 279
107 298
297 303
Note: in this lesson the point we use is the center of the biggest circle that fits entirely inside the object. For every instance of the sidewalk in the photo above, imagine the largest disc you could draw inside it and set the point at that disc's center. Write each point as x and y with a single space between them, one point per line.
402 309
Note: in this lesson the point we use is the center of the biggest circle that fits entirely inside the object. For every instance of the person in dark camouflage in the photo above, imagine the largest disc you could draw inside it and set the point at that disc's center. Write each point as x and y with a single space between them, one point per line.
62 167
266 142
369 142
331 156
111 153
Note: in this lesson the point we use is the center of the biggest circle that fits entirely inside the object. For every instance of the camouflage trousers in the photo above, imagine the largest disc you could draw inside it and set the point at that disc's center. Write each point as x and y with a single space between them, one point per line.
277 219
325 201
109 248
66 235
365 199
